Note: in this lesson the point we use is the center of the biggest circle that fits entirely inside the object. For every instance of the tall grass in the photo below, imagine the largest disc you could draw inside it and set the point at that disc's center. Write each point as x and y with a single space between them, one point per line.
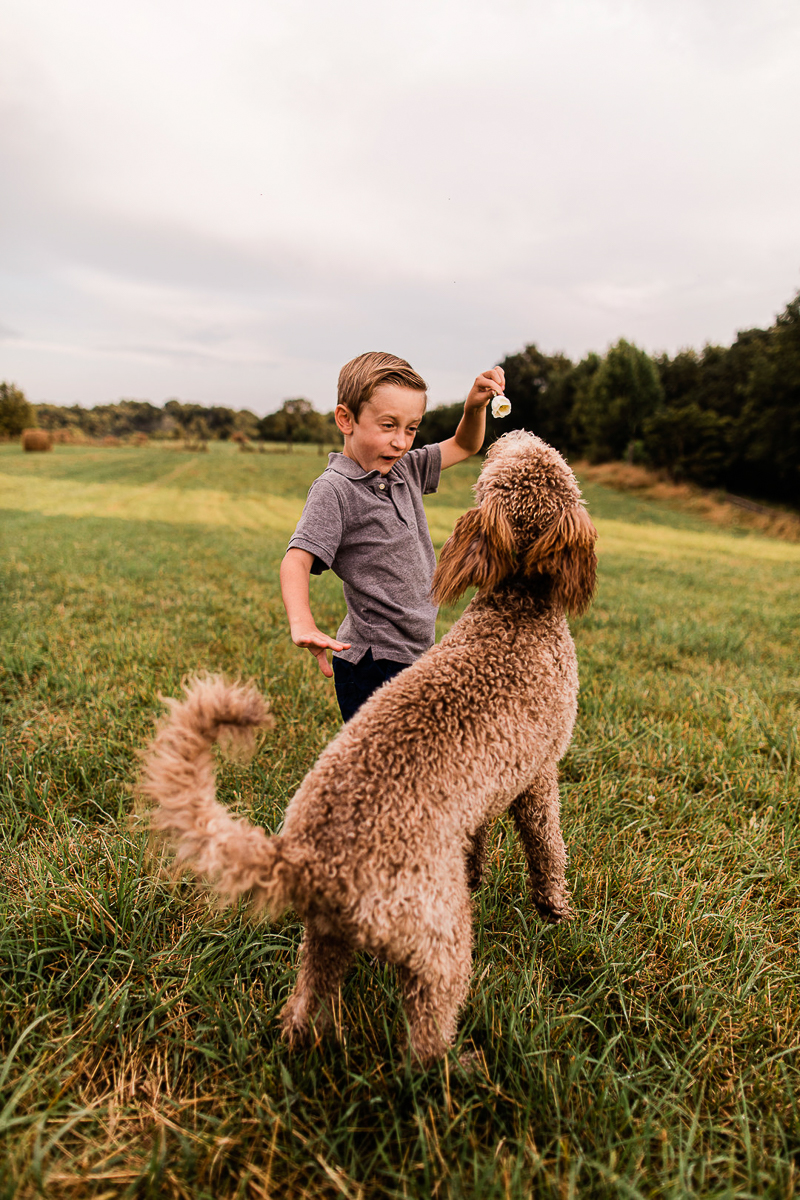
649 1048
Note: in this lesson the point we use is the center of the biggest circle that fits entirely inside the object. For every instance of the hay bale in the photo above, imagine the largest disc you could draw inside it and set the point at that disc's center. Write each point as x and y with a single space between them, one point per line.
36 439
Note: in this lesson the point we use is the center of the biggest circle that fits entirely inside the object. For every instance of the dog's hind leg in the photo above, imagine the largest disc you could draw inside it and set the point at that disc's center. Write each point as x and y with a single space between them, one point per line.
434 992
536 814
476 856
324 960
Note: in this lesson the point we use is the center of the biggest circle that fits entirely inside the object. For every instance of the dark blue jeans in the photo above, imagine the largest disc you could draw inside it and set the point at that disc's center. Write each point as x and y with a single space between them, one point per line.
355 682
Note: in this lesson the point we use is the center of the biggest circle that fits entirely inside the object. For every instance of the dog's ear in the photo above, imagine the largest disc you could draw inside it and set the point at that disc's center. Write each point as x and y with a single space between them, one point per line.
565 551
478 553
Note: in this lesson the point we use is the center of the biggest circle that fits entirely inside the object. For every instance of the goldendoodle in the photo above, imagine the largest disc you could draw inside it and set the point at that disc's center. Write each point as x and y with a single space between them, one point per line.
385 834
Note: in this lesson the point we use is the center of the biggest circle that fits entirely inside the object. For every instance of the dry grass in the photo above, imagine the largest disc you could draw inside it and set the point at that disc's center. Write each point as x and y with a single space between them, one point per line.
712 506
68 437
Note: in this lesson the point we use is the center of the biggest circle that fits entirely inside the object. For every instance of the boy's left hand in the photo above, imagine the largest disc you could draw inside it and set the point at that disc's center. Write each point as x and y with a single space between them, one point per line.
486 387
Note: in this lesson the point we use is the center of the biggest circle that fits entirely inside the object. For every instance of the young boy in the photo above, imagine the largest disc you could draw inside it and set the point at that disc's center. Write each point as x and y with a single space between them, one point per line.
364 519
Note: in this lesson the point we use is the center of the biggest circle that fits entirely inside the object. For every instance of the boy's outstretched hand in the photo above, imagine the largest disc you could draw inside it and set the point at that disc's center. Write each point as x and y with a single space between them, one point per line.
486 387
295 572
318 643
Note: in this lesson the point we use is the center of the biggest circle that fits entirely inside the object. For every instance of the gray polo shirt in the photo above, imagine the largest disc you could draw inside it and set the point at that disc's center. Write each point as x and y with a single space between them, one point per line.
371 531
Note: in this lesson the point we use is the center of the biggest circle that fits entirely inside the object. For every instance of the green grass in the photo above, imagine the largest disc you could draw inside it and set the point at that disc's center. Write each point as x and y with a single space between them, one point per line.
649 1048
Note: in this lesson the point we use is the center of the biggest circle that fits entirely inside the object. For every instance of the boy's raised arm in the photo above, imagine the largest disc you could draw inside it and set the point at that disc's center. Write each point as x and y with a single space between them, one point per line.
468 438
295 574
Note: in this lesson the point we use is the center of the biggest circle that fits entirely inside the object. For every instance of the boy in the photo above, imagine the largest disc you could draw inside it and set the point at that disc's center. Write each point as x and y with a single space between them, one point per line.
365 520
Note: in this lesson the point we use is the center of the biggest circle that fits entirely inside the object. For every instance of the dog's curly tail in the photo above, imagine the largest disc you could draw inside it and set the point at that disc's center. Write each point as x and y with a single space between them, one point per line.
178 776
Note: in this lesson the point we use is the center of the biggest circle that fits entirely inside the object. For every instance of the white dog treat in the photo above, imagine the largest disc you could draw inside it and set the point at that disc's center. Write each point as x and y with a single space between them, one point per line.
500 406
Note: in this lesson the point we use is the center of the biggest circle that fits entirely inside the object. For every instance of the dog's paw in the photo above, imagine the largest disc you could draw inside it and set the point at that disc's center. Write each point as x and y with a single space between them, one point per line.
472 1062
296 1029
296 1036
301 1029
555 912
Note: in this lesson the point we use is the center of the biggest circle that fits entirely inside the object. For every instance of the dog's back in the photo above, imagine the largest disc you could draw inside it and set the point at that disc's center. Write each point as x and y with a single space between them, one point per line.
446 744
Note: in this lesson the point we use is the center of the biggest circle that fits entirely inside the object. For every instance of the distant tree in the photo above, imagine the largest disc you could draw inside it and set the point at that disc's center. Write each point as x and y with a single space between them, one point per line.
198 429
184 414
575 386
246 423
731 413
690 443
726 371
134 416
624 392
299 420
296 421
126 418
768 428
541 399
58 416
439 423
680 376
16 413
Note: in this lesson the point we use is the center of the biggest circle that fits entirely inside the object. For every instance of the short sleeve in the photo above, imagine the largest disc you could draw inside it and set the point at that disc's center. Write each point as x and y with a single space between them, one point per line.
424 467
319 530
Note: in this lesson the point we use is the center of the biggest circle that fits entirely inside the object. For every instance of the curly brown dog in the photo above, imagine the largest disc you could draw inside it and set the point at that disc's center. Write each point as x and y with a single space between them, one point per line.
384 835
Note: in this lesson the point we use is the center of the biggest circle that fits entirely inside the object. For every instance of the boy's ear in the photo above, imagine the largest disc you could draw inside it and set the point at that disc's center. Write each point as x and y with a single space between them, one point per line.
344 419
478 553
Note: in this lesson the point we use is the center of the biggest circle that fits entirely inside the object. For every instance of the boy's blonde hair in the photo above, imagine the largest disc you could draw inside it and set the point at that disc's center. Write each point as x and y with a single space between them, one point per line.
362 376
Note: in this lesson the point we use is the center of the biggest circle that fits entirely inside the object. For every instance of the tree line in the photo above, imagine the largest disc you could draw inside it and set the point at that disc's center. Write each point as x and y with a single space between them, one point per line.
296 421
123 419
723 417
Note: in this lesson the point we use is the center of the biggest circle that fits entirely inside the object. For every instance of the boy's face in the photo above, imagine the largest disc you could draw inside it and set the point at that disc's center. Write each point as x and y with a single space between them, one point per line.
385 430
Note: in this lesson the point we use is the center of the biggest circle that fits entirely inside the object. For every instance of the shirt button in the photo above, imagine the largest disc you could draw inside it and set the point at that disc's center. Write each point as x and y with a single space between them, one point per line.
382 486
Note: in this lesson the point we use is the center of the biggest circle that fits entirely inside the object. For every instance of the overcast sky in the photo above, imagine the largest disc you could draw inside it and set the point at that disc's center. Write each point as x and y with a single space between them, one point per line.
225 201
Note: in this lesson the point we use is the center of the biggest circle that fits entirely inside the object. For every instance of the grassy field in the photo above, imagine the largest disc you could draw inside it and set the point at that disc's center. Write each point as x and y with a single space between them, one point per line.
647 1049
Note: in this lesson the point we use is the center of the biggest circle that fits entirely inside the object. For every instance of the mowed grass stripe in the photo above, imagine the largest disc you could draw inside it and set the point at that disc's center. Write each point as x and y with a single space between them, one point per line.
663 541
213 508
151 502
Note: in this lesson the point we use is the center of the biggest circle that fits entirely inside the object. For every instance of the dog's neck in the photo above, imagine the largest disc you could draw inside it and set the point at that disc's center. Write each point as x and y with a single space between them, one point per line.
527 596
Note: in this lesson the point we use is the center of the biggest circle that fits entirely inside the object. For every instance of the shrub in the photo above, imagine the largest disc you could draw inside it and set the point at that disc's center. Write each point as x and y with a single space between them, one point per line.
16 414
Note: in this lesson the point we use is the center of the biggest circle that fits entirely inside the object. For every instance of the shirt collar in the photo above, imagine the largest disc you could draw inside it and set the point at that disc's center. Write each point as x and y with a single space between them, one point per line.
351 470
